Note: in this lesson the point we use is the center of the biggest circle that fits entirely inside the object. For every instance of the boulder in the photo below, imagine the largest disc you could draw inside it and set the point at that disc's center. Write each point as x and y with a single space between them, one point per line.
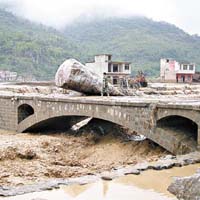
75 76
186 188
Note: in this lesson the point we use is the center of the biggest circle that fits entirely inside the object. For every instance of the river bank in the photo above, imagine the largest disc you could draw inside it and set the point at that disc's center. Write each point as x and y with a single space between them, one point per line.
129 187
38 162
27 158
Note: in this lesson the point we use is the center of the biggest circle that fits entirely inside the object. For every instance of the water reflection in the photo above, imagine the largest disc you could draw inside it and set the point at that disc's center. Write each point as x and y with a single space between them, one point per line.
99 191
151 185
116 191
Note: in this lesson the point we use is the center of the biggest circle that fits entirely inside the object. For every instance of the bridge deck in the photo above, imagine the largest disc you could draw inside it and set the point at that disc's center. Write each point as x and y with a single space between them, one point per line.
160 101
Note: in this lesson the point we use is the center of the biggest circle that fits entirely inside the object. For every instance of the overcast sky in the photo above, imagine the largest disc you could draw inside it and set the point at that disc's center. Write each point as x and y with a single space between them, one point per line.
57 13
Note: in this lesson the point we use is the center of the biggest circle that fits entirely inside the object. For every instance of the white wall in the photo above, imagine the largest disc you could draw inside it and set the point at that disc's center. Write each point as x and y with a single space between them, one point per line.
101 65
168 71
188 71
98 68
101 58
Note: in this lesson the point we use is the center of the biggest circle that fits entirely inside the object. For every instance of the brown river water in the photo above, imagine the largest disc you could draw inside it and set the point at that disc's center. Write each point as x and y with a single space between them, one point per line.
151 185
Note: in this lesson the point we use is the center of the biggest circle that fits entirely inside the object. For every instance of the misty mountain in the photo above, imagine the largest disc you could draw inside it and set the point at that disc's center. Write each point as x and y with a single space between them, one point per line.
29 48
33 49
138 39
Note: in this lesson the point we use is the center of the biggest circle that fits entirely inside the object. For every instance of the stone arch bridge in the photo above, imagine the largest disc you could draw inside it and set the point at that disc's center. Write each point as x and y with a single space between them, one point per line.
172 126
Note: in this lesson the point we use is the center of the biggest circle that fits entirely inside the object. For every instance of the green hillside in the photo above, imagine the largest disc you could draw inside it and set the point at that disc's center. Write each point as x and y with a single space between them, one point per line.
34 49
31 49
138 39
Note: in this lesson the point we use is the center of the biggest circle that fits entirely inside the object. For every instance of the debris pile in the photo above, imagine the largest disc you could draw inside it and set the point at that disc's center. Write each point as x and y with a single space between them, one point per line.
186 188
75 76
96 147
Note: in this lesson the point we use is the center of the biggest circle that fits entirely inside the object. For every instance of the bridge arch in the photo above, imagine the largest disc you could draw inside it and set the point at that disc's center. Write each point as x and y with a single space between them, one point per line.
24 111
178 133
136 118
180 122
188 114
64 123
34 121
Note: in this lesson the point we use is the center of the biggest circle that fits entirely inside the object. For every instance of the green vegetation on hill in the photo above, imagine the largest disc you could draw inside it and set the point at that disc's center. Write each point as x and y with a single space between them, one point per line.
137 39
32 49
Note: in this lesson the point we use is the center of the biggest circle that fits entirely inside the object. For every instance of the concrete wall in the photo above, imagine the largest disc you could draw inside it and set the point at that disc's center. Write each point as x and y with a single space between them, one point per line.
98 67
8 114
168 70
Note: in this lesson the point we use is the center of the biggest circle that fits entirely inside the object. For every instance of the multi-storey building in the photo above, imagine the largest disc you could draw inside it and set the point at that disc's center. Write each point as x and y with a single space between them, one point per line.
114 70
173 71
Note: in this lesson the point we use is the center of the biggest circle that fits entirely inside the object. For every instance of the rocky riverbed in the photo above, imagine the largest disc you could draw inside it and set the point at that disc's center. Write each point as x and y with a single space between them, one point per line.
156 90
186 188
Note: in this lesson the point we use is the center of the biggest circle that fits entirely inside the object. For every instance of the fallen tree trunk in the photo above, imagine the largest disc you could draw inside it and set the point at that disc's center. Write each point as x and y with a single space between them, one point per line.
75 76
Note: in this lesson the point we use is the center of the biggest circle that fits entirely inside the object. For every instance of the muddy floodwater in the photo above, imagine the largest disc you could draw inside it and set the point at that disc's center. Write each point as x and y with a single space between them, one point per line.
151 185
29 158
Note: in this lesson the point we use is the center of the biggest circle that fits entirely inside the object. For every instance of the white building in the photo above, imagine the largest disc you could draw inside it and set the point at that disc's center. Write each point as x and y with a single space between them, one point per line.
8 76
114 70
173 71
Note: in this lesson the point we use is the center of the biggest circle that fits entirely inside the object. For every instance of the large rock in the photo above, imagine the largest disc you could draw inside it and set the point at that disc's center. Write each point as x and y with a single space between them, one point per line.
186 188
75 76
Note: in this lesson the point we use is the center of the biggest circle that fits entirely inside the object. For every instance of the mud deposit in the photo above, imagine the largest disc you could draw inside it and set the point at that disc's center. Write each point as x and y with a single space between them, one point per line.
30 158
127 187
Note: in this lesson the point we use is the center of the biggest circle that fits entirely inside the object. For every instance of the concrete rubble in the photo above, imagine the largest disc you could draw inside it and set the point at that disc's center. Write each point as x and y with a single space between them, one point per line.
155 91
186 188
36 89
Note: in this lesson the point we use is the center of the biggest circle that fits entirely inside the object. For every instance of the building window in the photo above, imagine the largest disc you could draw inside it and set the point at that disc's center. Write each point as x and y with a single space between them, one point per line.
126 67
109 57
185 67
109 67
115 68
191 67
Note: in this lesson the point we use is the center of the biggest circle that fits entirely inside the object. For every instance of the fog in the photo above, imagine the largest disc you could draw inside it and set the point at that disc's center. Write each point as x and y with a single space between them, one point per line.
59 13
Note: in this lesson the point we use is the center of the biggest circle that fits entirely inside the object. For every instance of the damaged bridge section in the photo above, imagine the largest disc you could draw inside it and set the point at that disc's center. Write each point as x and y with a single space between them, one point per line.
174 127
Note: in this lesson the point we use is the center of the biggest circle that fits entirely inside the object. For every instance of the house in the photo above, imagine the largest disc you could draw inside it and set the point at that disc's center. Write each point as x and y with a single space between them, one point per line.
8 76
173 71
115 70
